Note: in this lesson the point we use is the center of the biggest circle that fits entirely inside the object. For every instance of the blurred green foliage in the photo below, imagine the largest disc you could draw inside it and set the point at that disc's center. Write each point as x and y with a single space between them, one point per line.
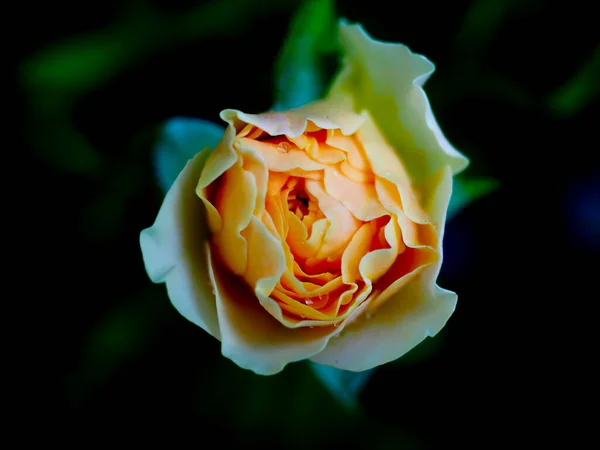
299 72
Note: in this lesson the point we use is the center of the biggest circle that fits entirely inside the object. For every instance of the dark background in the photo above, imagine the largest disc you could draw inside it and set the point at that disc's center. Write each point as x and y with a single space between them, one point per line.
108 357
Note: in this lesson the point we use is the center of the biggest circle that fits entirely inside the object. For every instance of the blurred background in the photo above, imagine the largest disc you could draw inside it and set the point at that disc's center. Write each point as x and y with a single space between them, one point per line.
516 89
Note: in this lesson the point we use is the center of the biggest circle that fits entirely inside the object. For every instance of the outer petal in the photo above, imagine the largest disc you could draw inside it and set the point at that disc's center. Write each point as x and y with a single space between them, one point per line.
328 114
387 79
416 308
254 339
174 250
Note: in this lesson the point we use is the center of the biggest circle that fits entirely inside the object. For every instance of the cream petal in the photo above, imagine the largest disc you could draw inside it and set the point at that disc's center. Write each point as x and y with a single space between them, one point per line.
406 312
254 339
386 79
220 160
418 310
437 189
387 165
327 114
174 250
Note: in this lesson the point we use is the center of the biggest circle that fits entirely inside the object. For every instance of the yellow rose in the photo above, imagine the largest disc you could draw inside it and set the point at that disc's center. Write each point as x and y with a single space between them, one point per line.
316 233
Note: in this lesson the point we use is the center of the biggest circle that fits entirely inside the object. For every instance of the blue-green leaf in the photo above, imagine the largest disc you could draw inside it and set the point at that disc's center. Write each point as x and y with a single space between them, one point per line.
180 140
344 385
466 190
299 75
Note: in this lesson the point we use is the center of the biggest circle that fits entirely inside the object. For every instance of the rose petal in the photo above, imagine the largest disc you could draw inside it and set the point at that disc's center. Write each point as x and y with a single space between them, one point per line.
324 153
301 245
266 261
174 250
319 277
360 198
356 156
235 203
343 225
419 310
387 165
254 163
386 79
327 114
358 176
253 339
355 251
414 234
376 263
279 160
411 308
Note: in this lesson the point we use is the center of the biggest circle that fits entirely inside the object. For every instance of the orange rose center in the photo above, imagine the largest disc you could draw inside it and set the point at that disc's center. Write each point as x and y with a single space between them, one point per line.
318 196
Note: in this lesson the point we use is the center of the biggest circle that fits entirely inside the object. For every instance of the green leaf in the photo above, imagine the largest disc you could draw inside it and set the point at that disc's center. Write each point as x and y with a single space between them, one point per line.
466 190
299 74
57 142
180 140
121 335
344 385
580 90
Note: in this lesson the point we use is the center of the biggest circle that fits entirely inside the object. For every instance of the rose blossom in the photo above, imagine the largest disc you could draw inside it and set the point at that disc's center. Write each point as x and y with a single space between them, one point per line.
316 233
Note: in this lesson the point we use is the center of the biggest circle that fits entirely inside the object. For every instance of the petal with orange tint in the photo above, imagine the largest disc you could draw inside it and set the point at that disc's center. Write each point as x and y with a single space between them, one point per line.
279 159
301 244
323 153
387 165
354 252
355 155
418 310
328 114
360 198
353 174
266 260
235 202
253 339
378 262
343 225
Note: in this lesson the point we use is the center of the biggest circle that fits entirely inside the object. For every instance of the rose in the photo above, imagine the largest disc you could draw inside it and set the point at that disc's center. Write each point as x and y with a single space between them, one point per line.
316 233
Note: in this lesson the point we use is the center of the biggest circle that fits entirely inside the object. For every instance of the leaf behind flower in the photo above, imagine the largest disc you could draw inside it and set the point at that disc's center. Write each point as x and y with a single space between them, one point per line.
466 190
299 72
344 385
181 138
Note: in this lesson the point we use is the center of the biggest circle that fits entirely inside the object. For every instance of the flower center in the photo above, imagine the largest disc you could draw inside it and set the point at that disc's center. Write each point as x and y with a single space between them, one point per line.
299 201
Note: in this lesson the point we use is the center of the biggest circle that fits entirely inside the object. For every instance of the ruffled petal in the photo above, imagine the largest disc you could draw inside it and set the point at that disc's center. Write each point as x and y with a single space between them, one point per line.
327 114
360 198
342 226
386 79
418 310
254 339
406 307
174 249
